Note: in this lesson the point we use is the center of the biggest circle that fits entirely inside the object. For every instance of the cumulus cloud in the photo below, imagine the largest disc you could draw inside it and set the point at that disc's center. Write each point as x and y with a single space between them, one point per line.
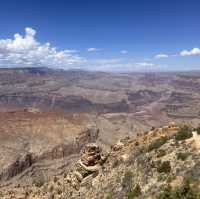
192 52
27 51
124 52
93 49
160 56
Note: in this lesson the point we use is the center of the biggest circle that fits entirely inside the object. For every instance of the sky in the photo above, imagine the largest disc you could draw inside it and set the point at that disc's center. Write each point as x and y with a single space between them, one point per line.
105 35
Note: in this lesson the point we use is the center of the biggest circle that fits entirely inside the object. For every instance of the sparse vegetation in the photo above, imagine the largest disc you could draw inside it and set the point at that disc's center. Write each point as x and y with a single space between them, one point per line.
135 192
157 143
184 133
164 167
162 178
182 156
59 190
170 178
198 130
39 180
109 196
127 182
55 179
186 191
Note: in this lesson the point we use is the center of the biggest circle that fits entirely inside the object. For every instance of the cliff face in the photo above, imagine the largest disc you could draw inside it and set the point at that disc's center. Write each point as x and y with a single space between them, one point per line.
164 161
30 138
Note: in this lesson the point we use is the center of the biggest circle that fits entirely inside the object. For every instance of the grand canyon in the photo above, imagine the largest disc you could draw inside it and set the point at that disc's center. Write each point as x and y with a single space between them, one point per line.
48 116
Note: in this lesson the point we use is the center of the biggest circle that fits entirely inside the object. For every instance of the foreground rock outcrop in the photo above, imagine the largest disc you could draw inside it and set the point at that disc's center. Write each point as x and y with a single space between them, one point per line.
160 164
88 166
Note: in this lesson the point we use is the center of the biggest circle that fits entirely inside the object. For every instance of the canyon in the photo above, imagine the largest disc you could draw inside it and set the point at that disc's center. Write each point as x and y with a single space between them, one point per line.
48 116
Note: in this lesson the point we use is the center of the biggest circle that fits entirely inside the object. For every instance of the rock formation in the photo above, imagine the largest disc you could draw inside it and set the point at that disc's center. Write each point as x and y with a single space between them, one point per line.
88 165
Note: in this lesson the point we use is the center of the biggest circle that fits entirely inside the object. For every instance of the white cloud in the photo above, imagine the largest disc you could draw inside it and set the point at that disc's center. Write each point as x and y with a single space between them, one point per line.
145 64
160 56
120 65
124 51
192 52
93 49
27 51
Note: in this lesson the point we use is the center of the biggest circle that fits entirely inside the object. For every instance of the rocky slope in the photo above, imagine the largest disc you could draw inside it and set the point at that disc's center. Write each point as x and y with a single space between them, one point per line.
163 163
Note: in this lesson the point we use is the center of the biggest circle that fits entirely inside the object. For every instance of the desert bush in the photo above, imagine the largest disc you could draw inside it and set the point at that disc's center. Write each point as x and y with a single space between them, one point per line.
164 167
39 180
27 194
185 191
182 156
137 143
161 178
109 196
127 182
136 192
65 175
198 130
55 179
184 133
157 143
170 178
52 196
165 194
59 190
116 162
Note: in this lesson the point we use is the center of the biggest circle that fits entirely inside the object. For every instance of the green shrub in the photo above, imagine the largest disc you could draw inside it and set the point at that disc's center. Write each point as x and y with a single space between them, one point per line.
185 191
182 156
127 182
157 143
170 178
136 192
109 196
165 194
164 167
184 133
198 130
161 178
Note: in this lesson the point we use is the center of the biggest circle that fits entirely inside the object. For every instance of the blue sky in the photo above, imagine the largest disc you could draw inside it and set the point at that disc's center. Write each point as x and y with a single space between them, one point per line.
113 35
